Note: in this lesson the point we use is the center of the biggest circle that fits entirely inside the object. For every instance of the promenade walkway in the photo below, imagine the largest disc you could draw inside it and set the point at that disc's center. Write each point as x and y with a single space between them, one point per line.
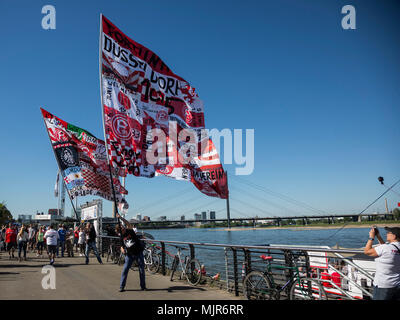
75 280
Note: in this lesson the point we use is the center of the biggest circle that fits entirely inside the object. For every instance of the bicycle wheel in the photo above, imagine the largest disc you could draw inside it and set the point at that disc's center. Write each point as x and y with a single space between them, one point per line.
193 272
257 286
154 266
307 289
173 267
121 259
147 257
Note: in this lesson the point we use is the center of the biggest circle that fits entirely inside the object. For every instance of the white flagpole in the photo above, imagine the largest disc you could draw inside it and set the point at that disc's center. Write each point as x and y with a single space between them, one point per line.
59 168
115 207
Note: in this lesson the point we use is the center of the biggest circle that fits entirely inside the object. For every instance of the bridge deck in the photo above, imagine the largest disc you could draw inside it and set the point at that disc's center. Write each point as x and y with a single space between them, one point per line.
75 280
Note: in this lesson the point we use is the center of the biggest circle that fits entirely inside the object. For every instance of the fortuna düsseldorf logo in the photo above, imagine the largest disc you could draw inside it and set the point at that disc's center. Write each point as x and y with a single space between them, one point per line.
120 127
162 115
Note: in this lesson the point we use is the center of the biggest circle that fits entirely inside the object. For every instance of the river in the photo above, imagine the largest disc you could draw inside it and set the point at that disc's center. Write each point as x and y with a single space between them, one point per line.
214 259
346 237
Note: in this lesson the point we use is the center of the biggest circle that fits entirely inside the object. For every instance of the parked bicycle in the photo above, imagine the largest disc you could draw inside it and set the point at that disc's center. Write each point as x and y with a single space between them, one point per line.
114 253
190 268
260 285
152 258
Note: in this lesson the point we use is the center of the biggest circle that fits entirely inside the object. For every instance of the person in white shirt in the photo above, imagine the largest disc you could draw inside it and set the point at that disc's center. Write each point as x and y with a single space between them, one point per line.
82 241
387 275
51 237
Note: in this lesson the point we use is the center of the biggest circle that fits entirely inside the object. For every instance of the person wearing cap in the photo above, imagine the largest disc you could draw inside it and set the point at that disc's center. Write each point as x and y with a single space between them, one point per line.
387 259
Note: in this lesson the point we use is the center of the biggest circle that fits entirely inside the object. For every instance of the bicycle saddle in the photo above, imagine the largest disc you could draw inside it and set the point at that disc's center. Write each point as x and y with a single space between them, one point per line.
264 257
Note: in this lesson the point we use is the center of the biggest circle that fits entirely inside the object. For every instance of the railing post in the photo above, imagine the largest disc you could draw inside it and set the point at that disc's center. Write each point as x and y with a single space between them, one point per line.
289 263
226 268
163 271
191 251
247 259
307 263
235 272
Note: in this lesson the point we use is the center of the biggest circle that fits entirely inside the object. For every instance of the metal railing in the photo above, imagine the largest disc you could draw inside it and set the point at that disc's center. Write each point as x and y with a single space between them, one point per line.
234 262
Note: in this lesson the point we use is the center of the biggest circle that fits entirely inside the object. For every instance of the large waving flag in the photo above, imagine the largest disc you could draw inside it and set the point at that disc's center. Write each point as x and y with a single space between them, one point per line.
144 101
82 160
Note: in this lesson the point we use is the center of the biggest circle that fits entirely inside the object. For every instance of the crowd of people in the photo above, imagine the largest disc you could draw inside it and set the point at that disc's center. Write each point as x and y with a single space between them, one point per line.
39 239
18 240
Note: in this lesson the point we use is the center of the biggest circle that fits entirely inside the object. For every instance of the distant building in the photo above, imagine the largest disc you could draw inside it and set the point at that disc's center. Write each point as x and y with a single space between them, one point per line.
55 212
162 218
197 216
146 218
25 218
182 218
139 217
204 215
212 215
48 219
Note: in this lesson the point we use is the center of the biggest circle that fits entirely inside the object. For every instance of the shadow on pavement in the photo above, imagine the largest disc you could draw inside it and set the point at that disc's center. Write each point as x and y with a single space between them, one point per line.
170 289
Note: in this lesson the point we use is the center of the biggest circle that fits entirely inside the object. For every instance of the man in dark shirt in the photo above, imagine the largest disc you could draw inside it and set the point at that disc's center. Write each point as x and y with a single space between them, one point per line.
133 250
91 242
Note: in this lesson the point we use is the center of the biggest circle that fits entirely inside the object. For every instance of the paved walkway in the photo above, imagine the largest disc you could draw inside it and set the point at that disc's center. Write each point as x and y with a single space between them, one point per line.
75 280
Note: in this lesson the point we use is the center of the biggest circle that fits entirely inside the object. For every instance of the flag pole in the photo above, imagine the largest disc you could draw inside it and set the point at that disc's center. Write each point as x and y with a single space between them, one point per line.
59 167
115 206
228 212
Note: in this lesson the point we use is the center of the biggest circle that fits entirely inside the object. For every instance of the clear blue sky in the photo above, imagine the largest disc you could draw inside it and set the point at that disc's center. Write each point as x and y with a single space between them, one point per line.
323 101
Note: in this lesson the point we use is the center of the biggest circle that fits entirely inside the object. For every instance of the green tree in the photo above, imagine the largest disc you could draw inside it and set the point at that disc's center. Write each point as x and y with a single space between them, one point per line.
396 213
5 214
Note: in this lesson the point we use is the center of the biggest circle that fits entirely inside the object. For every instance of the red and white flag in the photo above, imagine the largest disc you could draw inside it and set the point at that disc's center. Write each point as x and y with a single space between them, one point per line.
82 160
143 102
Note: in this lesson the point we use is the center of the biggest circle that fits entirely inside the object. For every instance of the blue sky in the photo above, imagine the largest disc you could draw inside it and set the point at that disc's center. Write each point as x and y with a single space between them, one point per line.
323 101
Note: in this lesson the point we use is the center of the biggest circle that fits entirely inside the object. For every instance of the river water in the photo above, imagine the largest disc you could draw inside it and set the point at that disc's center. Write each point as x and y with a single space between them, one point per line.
214 258
346 237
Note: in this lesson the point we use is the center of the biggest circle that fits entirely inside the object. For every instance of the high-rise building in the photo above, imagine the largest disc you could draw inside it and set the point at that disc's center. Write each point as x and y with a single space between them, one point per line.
182 218
204 215
212 215
197 216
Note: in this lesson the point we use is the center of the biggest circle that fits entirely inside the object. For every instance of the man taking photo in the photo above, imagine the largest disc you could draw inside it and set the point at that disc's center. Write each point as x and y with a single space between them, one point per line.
387 258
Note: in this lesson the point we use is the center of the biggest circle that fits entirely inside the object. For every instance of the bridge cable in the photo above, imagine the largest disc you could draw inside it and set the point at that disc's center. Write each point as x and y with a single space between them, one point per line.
340 229
265 200
281 196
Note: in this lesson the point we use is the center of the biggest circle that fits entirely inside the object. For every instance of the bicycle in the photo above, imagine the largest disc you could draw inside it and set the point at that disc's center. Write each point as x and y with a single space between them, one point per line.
260 285
114 253
152 259
191 268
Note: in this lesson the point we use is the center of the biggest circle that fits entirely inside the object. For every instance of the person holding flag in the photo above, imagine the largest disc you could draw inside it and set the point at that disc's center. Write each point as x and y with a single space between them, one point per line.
133 250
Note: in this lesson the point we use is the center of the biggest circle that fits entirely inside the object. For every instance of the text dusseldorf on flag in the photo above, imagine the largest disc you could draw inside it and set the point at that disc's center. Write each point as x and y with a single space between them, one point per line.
153 119
82 160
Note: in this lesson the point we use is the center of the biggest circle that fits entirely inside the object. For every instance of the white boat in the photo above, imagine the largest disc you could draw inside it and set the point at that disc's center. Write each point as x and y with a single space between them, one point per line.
342 275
